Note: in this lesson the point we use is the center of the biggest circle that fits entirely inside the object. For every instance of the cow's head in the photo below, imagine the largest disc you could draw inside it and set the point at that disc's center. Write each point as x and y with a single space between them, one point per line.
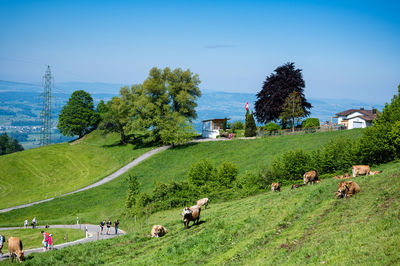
343 188
20 255
186 213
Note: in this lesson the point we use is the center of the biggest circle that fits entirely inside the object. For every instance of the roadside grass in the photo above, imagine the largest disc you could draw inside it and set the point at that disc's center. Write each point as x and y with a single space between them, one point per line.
107 201
32 238
41 173
305 226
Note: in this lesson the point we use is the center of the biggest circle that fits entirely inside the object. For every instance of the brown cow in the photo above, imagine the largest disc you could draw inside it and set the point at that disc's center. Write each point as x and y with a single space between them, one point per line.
310 177
360 170
345 176
191 214
203 202
347 189
297 186
15 248
275 187
375 172
158 231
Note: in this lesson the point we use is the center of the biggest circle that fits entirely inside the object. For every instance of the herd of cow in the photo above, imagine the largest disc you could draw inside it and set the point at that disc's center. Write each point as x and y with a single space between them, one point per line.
345 189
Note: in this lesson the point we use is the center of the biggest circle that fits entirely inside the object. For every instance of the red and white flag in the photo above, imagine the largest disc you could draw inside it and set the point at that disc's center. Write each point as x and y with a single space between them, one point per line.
247 105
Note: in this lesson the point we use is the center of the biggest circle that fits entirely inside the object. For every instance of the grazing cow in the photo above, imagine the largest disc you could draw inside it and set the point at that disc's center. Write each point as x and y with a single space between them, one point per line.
191 214
345 176
360 170
275 187
310 177
158 231
297 186
347 189
375 172
203 202
15 248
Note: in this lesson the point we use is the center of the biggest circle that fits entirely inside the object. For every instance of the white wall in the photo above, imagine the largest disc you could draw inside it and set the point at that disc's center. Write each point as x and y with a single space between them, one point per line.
356 120
207 132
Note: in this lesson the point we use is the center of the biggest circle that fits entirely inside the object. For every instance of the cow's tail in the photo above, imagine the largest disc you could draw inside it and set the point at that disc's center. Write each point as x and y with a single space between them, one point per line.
20 245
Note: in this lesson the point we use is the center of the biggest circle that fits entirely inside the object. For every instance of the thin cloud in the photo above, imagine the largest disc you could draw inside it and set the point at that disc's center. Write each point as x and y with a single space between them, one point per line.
218 46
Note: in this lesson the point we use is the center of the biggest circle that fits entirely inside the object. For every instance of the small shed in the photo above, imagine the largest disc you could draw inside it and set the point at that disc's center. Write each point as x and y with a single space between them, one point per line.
211 127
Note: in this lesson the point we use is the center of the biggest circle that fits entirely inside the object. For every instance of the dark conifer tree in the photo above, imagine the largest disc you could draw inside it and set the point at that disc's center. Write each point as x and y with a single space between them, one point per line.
276 89
250 126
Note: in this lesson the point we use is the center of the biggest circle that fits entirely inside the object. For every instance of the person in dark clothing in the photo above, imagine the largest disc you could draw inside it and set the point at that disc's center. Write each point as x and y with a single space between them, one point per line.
102 223
2 240
108 226
116 223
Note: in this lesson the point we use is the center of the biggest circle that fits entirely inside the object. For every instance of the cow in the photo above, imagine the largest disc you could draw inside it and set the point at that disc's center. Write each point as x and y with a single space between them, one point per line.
275 187
345 176
360 170
191 214
203 202
310 177
158 231
297 186
15 249
375 172
347 189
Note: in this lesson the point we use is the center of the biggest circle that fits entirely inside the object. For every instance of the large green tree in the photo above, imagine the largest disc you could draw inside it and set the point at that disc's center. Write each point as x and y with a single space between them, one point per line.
9 144
164 106
292 110
276 89
78 116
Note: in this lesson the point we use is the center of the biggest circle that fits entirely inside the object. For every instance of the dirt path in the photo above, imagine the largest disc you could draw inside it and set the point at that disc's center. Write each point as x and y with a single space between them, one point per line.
116 174
93 235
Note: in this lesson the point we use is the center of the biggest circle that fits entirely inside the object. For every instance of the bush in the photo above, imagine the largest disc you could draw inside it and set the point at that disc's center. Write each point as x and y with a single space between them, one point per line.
252 182
336 155
272 128
201 172
310 123
237 125
291 165
226 174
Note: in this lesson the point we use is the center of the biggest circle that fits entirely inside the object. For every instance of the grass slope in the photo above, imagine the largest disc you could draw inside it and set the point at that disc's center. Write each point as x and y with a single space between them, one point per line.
304 226
52 170
32 238
107 201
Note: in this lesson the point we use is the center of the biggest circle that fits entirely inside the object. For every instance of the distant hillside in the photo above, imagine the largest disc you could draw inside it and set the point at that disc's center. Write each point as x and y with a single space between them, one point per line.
212 104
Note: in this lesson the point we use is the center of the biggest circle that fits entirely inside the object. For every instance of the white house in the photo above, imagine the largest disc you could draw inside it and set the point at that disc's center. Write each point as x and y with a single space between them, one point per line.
211 127
356 118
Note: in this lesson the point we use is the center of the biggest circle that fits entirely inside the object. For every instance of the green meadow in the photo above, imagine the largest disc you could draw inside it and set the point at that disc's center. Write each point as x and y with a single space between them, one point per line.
32 238
307 225
107 201
41 173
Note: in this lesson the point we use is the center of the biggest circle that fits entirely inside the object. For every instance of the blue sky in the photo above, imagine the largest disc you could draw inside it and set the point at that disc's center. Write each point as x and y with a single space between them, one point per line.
347 49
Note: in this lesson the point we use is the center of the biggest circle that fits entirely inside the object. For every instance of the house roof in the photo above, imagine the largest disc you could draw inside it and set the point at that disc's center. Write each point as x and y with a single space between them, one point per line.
368 115
366 118
215 119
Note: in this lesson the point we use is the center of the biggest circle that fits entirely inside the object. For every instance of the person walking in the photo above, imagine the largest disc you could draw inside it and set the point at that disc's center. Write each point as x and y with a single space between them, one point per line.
50 242
116 223
26 223
33 222
2 240
45 241
102 223
108 226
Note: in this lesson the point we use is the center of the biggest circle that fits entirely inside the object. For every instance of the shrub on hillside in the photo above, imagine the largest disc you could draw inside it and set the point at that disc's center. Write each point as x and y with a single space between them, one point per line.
336 155
237 125
201 172
310 123
226 174
272 128
252 182
291 165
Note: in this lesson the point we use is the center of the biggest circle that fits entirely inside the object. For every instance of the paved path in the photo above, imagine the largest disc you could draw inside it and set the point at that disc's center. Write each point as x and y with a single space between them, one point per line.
93 235
119 172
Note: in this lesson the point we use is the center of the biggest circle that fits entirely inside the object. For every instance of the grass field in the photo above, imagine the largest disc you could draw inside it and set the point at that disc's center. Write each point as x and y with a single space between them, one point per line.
304 226
107 201
52 170
32 238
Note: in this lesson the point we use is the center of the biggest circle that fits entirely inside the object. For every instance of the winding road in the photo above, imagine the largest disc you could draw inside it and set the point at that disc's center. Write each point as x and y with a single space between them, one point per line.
93 235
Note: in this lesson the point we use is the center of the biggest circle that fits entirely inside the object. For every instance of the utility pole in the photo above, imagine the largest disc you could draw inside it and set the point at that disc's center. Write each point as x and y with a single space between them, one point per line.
45 115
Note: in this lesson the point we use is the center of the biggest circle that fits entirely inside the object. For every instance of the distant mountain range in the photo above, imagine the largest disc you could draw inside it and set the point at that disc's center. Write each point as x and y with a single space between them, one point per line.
212 104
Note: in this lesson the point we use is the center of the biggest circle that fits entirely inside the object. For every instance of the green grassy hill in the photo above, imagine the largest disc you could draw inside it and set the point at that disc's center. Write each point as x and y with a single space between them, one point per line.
107 201
304 226
52 170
